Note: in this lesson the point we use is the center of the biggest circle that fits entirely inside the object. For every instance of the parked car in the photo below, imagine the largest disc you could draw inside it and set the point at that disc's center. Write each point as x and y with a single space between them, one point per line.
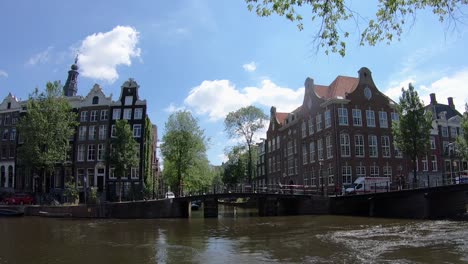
170 195
19 198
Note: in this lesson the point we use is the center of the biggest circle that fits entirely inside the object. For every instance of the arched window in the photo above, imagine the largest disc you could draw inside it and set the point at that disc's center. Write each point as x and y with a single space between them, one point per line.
95 100
2 176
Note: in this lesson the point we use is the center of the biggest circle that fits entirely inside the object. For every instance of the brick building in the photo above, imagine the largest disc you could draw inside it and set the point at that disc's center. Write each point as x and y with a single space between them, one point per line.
340 132
87 164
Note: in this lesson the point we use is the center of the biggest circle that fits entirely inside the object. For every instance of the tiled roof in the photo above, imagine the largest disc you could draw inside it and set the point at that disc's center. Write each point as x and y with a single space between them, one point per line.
439 108
338 88
281 117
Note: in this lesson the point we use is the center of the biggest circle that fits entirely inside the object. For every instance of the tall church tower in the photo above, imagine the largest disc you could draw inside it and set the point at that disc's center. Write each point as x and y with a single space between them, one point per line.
71 87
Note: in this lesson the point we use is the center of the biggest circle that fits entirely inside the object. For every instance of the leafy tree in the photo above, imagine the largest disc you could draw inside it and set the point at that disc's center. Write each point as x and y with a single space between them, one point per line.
245 122
411 133
462 139
124 152
235 170
71 192
45 130
184 151
387 25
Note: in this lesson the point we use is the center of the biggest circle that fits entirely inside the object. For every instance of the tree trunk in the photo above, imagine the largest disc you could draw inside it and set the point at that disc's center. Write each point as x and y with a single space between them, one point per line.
120 189
250 164
415 174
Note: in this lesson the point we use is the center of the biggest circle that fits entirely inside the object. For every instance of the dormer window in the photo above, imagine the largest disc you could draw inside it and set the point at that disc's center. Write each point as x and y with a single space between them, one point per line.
128 100
95 100
9 105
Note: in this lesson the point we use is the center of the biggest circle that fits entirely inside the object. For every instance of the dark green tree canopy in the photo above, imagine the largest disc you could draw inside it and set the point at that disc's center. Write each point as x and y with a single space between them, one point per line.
124 149
389 22
411 133
46 128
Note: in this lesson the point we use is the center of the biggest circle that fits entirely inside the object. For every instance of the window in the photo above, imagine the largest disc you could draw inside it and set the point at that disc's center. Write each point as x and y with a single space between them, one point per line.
304 129
343 116
453 132
345 145
304 154
128 100
359 145
92 133
445 131
102 132
91 152
135 173
385 146
93 117
357 117
5 134
432 141
95 100
370 117
373 146
347 174
329 147
434 163
387 171
14 120
320 149
127 113
397 152
90 182
104 115
101 152
84 116
138 113
374 171
80 175
360 171
82 133
113 131
137 130
327 119
6 122
116 114
112 173
13 134
81 153
395 116
383 119
311 126
312 151
425 163
445 145
319 122
331 177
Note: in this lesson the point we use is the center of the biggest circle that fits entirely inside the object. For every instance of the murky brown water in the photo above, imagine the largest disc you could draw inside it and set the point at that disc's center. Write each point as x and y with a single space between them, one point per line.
233 238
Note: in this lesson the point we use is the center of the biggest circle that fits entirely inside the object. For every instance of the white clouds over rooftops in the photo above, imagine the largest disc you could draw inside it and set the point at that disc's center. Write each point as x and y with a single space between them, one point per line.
250 67
3 74
101 53
219 97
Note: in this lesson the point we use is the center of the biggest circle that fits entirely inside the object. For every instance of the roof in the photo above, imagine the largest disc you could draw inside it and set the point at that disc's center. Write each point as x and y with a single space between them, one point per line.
341 86
439 108
281 117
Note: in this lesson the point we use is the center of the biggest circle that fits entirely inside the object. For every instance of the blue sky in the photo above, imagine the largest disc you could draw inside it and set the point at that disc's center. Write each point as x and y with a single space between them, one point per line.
212 57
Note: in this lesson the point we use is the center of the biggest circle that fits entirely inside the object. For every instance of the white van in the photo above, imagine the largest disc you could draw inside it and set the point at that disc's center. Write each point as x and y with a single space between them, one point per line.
369 185
170 195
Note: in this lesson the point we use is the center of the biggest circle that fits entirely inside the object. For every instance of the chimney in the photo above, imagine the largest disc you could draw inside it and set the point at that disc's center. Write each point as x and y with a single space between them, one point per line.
433 98
450 102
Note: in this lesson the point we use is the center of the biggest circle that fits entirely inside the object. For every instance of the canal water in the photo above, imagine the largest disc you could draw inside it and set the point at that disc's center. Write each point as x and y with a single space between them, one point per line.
236 236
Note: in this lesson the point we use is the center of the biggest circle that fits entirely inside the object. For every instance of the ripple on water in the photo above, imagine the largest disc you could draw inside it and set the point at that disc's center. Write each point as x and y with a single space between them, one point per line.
370 243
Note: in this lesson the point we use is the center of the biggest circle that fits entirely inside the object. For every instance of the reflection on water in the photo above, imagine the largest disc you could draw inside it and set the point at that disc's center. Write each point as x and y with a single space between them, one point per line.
233 238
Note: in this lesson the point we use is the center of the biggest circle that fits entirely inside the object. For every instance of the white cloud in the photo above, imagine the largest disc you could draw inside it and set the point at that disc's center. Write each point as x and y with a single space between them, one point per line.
250 67
454 85
41 57
173 108
101 53
219 97
3 74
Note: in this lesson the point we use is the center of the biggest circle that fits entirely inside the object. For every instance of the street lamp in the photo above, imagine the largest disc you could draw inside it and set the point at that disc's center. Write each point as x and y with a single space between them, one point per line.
320 173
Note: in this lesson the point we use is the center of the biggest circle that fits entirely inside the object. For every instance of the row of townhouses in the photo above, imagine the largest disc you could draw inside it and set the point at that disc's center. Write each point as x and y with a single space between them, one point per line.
87 165
343 131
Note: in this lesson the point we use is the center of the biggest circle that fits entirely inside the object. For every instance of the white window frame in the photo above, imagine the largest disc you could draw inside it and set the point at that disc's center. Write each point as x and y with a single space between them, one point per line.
346 174
327 118
304 129
383 119
100 152
373 148
374 171
318 120
329 147
92 133
84 116
138 113
343 116
135 173
104 115
113 131
370 118
434 163
345 145
304 154
359 146
360 171
127 114
312 151
116 113
91 152
80 153
320 149
102 132
82 133
137 130
311 126
357 117
385 145
93 116
112 174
